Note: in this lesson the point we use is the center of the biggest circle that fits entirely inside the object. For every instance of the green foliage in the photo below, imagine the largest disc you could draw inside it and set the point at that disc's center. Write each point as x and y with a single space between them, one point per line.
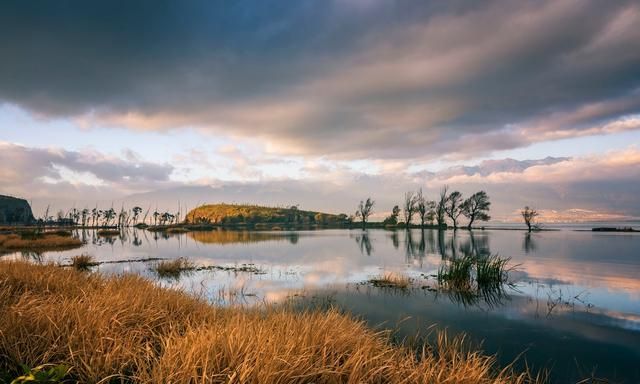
393 218
46 373
474 272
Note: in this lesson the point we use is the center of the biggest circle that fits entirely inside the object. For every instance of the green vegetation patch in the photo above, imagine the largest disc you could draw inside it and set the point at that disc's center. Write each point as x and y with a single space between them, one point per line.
254 214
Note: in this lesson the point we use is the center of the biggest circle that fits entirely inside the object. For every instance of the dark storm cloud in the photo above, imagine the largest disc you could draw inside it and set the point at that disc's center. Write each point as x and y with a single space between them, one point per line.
350 78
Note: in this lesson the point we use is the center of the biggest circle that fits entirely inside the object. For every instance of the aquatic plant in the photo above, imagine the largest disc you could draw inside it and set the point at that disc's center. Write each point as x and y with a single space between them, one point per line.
472 272
83 262
128 329
391 280
172 268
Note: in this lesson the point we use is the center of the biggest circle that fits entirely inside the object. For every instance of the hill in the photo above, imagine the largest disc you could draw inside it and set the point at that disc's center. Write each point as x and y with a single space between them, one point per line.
15 211
225 214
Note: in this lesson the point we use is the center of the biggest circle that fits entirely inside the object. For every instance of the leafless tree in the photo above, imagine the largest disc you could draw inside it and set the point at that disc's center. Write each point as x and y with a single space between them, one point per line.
529 215
425 208
452 207
410 205
476 208
365 209
441 207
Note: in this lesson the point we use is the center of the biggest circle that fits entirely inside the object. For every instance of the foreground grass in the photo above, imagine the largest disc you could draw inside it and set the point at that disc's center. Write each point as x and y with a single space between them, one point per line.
41 242
126 328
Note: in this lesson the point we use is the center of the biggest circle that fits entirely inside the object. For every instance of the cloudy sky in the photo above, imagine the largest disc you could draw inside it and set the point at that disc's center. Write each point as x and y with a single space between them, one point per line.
323 103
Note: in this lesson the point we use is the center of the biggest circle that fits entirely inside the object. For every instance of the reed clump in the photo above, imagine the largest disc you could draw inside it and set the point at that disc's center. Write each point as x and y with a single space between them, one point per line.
83 262
128 329
391 280
173 268
474 272
38 242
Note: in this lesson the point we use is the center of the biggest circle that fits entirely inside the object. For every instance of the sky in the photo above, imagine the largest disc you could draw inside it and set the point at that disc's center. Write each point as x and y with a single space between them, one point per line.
323 103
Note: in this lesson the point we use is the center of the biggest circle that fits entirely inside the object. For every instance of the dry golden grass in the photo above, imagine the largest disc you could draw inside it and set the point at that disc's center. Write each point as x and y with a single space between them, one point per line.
83 262
391 280
172 268
127 328
108 232
48 241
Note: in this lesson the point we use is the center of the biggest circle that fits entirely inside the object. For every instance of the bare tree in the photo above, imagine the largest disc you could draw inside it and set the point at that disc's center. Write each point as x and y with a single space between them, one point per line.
441 207
529 215
410 202
365 209
452 207
476 208
425 208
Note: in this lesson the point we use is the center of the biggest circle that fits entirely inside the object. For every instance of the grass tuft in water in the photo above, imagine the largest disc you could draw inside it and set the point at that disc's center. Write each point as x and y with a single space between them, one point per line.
474 273
83 262
172 268
391 280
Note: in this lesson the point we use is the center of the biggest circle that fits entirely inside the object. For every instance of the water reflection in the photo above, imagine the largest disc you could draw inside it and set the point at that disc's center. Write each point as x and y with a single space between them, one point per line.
528 244
364 243
232 237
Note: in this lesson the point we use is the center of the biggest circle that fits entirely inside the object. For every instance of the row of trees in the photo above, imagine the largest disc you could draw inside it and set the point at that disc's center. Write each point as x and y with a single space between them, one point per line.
449 205
110 217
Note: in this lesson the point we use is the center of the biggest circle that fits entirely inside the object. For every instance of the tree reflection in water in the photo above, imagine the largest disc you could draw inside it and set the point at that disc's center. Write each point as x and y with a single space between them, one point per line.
364 242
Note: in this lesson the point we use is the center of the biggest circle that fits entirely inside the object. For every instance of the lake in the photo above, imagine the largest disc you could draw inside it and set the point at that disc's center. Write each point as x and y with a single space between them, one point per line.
572 304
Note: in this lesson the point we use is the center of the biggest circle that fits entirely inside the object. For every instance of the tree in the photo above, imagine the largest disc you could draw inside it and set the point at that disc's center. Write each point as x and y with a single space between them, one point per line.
529 215
365 209
441 207
94 216
393 218
85 215
476 208
136 213
452 207
109 215
425 208
410 201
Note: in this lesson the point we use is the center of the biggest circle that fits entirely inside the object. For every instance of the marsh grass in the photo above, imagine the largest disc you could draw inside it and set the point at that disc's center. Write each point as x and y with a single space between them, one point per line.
473 273
177 230
83 262
391 281
38 242
60 232
108 232
172 268
128 329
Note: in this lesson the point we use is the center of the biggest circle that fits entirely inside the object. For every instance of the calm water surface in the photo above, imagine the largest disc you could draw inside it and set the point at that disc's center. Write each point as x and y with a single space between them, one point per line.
573 305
